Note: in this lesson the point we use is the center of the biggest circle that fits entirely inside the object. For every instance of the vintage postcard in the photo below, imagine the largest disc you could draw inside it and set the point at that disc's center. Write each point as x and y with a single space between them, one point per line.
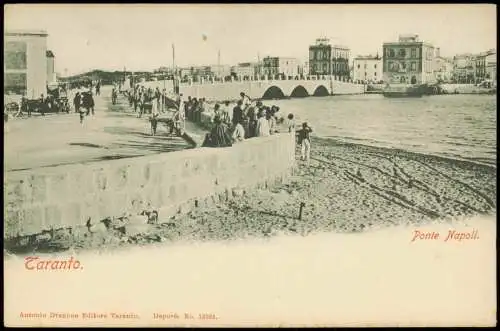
250 165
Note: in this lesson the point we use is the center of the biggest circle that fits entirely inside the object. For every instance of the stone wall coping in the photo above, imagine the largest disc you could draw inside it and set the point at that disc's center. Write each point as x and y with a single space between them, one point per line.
200 152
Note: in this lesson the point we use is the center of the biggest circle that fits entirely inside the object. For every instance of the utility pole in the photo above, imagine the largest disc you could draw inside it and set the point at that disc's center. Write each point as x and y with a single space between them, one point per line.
175 81
218 62
258 65
173 59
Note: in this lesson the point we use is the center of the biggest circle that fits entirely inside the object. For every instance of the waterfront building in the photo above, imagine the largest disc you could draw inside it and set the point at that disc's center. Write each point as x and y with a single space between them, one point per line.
283 66
464 68
408 61
218 70
491 65
25 63
328 59
245 70
367 69
443 67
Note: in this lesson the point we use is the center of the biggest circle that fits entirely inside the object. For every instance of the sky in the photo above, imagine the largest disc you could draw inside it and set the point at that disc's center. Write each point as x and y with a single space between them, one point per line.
140 37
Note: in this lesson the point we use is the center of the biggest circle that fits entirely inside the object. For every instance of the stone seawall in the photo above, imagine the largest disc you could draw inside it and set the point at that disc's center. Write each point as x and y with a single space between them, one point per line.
71 195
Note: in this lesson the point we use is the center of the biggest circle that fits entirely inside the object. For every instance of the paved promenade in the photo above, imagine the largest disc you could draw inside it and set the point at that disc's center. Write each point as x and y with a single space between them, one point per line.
114 132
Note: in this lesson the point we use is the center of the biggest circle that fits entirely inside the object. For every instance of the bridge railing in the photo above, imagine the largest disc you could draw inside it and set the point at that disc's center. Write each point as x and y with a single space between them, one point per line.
263 78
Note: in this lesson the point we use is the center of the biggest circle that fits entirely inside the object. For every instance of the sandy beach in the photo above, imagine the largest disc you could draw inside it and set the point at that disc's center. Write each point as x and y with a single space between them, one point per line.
346 188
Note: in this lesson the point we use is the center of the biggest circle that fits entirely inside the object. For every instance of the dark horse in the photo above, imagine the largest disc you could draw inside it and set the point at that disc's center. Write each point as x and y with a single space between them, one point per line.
88 102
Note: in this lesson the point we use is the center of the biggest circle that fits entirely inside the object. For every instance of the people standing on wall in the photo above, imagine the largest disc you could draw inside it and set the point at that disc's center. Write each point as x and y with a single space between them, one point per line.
252 115
245 99
237 114
219 135
271 119
225 118
262 128
217 112
239 131
305 142
201 109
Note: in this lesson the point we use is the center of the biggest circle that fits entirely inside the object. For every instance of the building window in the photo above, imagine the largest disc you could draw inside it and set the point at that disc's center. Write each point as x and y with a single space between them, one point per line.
391 53
366 65
375 66
375 74
402 52
15 82
413 52
15 55
413 66
359 66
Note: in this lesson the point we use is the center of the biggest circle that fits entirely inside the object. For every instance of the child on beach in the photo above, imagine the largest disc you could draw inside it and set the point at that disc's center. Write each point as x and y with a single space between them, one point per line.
305 142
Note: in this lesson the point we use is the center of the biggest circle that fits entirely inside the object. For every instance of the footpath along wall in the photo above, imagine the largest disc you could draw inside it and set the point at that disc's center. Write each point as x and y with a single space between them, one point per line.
69 195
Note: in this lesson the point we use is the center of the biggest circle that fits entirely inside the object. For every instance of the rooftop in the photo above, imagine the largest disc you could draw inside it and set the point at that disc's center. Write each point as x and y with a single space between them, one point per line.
368 57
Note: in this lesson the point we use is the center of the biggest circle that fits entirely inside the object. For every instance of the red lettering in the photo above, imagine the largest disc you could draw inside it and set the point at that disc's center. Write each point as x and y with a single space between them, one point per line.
28 260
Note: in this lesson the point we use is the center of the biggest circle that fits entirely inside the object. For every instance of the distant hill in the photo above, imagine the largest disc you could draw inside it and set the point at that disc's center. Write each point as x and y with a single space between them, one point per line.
106 77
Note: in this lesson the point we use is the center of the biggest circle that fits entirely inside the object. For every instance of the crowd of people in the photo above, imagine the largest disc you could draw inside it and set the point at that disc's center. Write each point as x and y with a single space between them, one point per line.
248 119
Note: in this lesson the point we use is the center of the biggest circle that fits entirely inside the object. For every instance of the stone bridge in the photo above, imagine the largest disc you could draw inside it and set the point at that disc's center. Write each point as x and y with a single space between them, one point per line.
263 89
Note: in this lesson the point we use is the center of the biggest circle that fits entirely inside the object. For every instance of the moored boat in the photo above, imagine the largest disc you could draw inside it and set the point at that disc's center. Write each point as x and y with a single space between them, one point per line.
403 91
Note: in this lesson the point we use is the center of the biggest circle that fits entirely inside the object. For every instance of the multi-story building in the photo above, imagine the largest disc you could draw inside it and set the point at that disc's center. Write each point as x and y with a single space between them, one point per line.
408 61
367 69
464 68
25 63
480 67
245 70
219 70
328 59
283 66
491 65
443 67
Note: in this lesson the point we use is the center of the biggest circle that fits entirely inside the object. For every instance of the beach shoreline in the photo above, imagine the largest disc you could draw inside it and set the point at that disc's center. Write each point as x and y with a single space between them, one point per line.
346 188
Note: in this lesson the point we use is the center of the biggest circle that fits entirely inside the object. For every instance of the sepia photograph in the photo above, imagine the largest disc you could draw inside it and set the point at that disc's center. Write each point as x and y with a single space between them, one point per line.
250 165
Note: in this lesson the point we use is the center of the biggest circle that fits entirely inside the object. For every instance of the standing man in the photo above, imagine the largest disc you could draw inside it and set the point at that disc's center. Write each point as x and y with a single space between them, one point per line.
245 101
98 88
237 114
77 101
43 105
180 102
305 142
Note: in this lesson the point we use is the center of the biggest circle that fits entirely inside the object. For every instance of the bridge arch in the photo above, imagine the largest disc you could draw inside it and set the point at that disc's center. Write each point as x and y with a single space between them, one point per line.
299 91
321 91
273 92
